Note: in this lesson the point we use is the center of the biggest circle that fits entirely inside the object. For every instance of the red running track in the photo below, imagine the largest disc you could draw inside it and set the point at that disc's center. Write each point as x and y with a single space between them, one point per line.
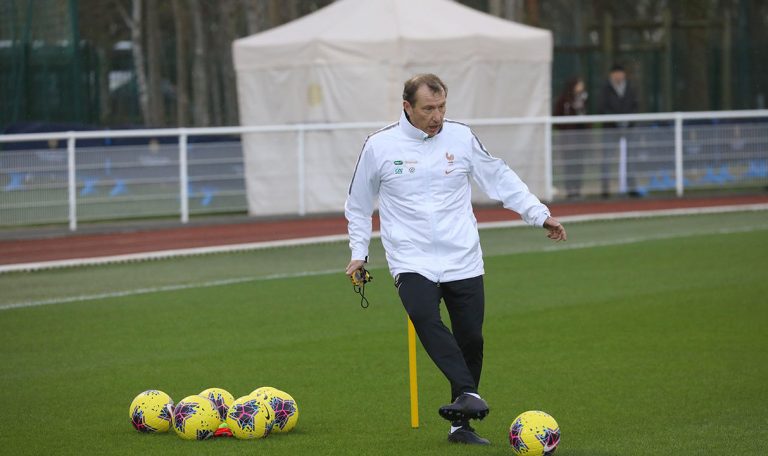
75 245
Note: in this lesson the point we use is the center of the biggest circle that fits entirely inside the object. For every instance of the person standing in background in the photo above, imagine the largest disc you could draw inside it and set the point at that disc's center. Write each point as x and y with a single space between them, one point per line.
617 97
571 102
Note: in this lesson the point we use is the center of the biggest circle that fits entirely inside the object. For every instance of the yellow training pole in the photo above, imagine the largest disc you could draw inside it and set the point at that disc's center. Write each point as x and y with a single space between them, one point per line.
412 375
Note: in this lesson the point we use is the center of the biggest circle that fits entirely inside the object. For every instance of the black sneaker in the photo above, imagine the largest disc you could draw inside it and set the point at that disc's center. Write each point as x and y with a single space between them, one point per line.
465 407
466 434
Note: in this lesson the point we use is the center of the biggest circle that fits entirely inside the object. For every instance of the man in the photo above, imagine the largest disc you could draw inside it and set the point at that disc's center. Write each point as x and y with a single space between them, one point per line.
618 97
419 169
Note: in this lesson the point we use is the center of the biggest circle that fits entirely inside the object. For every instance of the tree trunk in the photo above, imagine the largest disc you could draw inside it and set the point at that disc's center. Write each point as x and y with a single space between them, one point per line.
514 10
291 10
214 81
105 107
156 101
137 50
275 17
256 14
532 10
182 73
200 86
495 8
694 63
213 62
228 33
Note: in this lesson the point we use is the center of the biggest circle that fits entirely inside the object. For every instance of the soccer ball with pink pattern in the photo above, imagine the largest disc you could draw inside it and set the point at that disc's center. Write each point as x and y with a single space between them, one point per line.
534 433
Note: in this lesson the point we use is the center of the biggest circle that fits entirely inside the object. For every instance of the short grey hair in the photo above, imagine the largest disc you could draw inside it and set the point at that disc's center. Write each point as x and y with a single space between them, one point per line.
430 80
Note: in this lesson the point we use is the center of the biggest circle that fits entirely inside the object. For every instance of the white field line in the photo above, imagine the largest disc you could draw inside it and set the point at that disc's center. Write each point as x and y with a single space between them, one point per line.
637 214
184 286
221 282
568 246
635 239
164 254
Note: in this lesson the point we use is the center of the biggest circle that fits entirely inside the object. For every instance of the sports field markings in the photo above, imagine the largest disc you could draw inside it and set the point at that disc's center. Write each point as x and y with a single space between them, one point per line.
232 248
237 280
176 287
635 239
167 254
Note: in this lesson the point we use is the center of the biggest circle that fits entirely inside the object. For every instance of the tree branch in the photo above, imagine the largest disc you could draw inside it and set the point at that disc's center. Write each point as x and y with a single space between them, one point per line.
123 13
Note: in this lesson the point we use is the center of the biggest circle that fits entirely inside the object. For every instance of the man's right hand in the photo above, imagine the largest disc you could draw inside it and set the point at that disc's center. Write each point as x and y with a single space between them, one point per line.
353 266
556 232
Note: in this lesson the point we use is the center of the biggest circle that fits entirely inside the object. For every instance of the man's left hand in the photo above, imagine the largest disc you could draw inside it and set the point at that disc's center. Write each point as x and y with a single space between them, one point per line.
556 231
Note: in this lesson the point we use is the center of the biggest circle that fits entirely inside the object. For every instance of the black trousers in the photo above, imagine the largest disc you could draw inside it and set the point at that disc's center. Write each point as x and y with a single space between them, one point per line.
458 354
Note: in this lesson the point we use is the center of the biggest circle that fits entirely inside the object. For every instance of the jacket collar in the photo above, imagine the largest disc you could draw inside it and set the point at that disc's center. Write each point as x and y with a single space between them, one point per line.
409 130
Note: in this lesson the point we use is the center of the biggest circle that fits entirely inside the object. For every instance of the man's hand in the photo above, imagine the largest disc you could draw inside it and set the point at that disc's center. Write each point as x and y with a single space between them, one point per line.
556 231
353 266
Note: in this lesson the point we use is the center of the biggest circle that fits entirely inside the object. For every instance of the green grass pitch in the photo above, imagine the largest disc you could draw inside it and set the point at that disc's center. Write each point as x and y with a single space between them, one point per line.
641 337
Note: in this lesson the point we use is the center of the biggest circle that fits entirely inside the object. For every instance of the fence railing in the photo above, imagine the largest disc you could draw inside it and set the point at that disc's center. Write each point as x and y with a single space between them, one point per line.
86 176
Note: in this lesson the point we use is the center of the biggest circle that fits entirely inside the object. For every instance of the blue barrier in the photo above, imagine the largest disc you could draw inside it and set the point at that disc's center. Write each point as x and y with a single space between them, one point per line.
16 183
89 186
758 169
208 194
718 178
119 188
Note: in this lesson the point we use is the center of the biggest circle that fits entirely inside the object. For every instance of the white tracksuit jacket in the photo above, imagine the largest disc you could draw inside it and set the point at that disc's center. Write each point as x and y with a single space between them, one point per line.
422 183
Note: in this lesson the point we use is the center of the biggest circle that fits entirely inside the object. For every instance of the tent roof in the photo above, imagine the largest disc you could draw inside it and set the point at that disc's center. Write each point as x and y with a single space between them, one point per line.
399 30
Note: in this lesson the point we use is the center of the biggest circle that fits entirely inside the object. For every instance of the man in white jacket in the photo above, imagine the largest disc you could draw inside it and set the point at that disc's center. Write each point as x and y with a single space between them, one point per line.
419 168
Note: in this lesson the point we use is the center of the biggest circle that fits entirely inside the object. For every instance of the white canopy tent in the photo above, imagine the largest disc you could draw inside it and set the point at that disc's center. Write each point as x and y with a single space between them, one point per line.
347 63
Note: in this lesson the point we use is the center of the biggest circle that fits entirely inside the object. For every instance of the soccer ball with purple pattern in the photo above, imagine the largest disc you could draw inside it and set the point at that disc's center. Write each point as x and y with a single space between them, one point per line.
250 417
285 407
286 411
534 433
195 418
221 398
263 392
150 411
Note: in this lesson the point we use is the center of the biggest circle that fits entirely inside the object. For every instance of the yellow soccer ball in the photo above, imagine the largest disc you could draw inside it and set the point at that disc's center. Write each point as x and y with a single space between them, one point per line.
221 399
150 411
263 392
195 418
534 433
286 410
250 417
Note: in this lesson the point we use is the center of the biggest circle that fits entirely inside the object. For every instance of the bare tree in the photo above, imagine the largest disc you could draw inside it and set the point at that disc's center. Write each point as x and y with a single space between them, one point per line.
229 32
156 101
256 15
213 62
134 23
275 14
513 10
98 27
291 10
200 84
693 17
182 73
495 8
532 9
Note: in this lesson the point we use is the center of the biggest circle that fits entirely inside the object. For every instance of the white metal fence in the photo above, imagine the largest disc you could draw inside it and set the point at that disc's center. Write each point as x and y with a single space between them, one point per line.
86 176
680 152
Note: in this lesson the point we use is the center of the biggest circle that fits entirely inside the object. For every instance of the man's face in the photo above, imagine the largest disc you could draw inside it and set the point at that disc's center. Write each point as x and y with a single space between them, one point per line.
428 110
617 77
